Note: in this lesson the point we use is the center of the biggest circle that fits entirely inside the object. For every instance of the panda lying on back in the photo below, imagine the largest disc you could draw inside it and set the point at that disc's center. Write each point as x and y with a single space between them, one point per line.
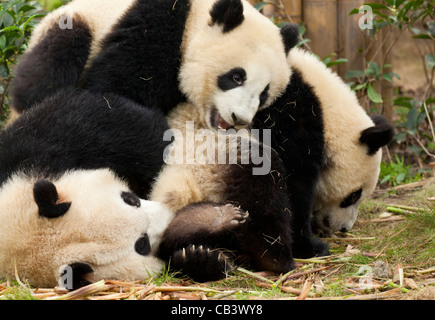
222 55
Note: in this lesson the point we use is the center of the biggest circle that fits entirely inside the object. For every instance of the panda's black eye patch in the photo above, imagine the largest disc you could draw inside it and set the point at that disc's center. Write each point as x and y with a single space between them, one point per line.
232 79
351 199
131 199
264 95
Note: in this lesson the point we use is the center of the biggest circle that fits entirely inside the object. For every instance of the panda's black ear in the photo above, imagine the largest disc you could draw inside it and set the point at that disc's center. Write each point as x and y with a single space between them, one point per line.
290 36
228 14
377 136
46 197
73 276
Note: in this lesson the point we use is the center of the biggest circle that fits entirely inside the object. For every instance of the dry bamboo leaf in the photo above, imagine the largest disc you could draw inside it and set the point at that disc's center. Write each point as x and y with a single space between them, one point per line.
305 289
288 289
410 283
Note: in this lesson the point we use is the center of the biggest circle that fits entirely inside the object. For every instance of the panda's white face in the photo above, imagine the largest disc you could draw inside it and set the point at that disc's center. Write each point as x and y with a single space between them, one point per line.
230 74
335 216
86 218
350 179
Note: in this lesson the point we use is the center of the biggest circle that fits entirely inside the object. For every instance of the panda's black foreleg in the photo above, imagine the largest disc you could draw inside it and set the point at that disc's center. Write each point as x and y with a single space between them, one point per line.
306 243
267 235
295 123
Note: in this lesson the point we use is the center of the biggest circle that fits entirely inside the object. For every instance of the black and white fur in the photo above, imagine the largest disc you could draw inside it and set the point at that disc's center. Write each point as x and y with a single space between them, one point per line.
225 214
329 145
221 55
72 170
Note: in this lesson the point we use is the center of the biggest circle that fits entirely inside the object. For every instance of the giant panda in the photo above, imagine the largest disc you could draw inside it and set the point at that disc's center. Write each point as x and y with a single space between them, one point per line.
329 145
227 177
79 227
330 153
75 171
222 55
72 169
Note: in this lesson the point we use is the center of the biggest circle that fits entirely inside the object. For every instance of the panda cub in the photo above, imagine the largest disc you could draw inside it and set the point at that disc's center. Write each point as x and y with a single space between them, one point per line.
124 47
72 171
77 228
329 145
228 212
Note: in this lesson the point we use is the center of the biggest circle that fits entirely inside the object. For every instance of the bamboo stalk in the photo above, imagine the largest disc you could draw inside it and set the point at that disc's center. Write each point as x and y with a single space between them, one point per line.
82 292
299 274
401 206
350 239
180 288
254 275
430 270
400 211
312 260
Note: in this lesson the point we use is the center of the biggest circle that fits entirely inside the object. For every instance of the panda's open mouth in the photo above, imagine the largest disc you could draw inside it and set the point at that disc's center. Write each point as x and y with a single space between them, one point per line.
217 122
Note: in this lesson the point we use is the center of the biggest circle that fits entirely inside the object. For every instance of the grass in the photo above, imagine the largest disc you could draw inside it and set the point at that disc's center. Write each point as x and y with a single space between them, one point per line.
404 244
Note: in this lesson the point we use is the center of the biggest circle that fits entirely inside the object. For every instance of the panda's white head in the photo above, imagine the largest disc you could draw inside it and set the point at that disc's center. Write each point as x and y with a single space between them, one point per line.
234 61
349 176
83 227
353 142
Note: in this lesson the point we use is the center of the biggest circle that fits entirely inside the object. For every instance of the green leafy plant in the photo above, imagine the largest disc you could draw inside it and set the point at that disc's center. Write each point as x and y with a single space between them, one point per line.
17 19
415 124
365 79
396 173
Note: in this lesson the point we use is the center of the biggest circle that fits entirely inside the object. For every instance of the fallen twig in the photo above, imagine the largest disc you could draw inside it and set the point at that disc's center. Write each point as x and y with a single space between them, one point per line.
313 260
299 274
82 292
254 275
349 239
430 270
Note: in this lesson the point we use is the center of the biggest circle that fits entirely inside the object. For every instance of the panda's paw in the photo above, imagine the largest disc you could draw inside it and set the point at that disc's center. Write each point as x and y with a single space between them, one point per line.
321 248
229 216
201 263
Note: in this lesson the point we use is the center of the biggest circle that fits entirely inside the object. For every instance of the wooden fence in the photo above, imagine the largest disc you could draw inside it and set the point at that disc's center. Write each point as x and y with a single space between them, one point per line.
331 29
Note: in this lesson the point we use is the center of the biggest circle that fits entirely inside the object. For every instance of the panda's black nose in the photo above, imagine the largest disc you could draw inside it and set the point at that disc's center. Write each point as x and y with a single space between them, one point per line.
343 229
143 246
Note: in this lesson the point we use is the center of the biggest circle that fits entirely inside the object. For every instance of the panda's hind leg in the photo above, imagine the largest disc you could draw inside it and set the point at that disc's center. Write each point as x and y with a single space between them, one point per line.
202 263
200 240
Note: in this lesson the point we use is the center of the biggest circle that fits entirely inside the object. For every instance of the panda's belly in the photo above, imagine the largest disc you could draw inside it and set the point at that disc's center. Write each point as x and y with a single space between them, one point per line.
211 179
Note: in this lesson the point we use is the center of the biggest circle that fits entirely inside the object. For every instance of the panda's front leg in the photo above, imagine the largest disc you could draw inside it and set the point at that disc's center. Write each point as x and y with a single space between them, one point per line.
267 236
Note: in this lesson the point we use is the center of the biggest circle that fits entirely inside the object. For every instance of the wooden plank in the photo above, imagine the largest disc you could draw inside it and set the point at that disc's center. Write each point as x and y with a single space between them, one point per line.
350 37
293 9
320 18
